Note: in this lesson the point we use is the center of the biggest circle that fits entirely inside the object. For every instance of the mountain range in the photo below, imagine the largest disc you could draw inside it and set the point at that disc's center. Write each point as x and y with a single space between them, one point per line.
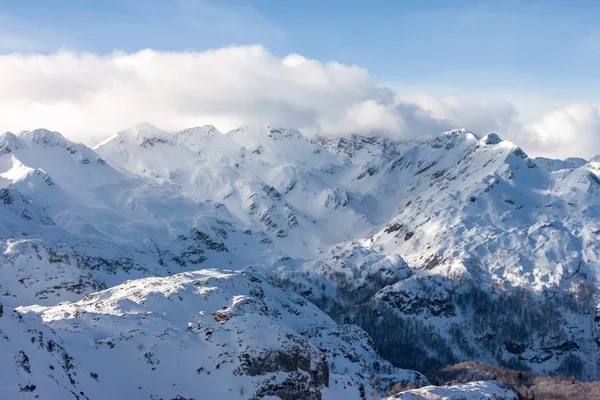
261 263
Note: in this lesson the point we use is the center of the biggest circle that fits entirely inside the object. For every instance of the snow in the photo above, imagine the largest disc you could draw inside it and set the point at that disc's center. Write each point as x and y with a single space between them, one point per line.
180 335
99 245
468 391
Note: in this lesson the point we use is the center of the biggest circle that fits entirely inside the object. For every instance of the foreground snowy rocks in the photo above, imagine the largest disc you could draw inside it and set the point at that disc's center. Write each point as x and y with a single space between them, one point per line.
220 334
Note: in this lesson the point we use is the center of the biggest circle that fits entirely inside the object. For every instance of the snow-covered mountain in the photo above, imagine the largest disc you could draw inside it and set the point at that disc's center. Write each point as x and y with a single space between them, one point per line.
164 265
178 336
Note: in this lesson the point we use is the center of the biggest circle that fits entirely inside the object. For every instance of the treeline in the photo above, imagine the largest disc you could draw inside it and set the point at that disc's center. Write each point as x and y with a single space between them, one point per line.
499 327
513 328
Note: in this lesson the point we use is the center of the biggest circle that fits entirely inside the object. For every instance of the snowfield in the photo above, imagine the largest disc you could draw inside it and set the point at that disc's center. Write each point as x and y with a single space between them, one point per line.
260 263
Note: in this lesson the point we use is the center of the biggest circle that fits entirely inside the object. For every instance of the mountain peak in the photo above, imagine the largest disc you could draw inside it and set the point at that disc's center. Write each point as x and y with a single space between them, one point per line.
208 131
146 127
144 134
205 139
143 129
9 142
44 137
451 139
490 139
8 136
275 133
460 132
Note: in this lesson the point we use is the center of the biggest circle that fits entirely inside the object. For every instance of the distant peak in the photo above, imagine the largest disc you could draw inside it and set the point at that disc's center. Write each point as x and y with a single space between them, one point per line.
594 163
146 127
209 128
44 137
143 129
491 138
204 130
276 133
459 133
283 133
199 137
9 142
8 136
145 134
352 144
451 139
39 133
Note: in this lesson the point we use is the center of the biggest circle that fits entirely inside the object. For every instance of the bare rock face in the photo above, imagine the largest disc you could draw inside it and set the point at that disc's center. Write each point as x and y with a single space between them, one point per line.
304 378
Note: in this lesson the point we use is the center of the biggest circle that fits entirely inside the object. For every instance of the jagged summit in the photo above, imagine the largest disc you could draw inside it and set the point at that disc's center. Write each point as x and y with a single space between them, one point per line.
460 132
490 139
275 133
454 138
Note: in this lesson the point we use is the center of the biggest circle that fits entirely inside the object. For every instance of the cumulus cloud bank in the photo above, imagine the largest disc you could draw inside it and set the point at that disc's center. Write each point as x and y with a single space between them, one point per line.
571 130
88 97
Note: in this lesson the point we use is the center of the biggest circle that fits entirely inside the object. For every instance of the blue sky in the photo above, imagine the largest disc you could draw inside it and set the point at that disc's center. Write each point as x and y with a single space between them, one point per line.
547 45
531 56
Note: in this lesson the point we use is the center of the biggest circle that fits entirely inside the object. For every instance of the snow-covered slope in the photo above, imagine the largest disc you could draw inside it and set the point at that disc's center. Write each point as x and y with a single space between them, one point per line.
220 333
489 390
502 258
423 253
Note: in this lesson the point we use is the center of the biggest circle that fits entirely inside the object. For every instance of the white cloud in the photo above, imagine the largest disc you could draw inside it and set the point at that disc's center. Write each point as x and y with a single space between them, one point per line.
482 116
571 130
397 119
88 97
